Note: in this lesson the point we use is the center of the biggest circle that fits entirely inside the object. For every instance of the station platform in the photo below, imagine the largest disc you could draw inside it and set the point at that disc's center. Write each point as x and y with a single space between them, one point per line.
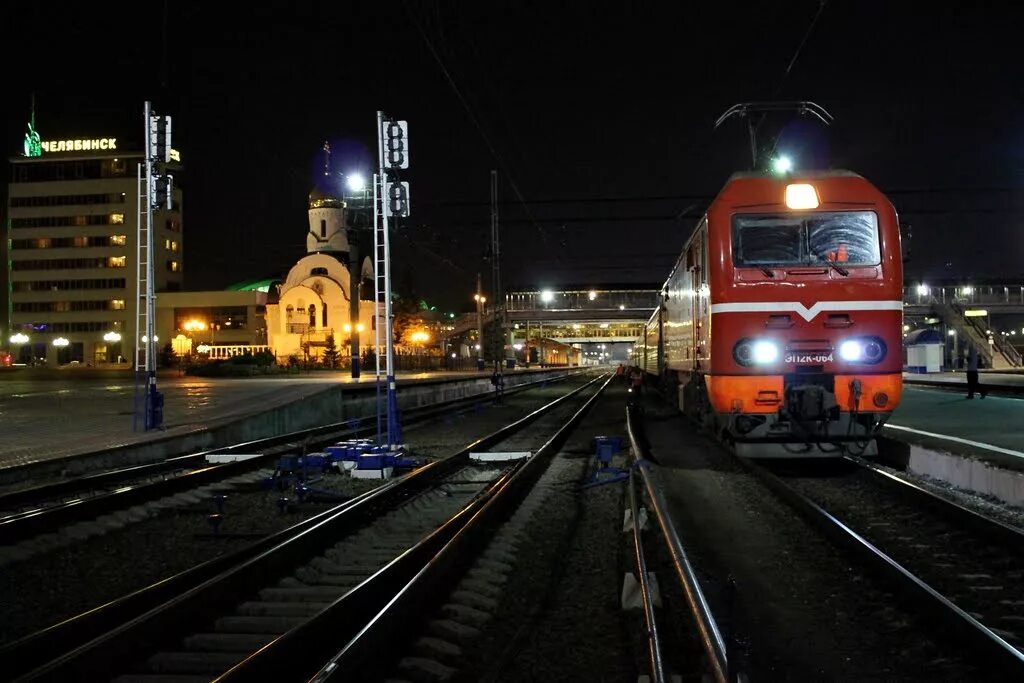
52 417
936 413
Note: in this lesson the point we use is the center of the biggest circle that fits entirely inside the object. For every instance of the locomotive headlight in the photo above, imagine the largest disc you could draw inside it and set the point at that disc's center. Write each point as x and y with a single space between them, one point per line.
764 352
851 350
867 350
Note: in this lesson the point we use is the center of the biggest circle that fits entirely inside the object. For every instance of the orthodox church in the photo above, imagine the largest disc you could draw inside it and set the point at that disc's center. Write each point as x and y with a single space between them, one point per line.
316 298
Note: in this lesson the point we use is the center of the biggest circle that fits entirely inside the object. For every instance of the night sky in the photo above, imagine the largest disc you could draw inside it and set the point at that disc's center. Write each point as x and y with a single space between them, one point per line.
598 116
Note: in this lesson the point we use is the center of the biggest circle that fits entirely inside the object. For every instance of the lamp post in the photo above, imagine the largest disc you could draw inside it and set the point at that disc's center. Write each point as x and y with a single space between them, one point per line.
355 183
20 339
113 338
61 344
480 301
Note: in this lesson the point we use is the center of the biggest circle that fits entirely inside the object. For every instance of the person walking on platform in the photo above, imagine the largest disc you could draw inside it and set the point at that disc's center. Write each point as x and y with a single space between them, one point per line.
972 375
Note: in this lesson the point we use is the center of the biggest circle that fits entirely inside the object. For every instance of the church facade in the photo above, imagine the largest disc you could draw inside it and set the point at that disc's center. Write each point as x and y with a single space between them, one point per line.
315 299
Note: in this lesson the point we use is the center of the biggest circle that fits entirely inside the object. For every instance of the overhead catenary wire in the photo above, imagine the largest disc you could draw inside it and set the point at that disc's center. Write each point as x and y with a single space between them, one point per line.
474 119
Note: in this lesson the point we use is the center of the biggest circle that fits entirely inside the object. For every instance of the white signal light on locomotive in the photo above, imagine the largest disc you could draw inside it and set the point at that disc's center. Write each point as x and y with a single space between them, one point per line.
851 350
782 165
764 352
801 196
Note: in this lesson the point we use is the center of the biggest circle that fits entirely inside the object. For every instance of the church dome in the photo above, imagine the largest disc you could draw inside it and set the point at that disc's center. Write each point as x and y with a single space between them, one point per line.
322 196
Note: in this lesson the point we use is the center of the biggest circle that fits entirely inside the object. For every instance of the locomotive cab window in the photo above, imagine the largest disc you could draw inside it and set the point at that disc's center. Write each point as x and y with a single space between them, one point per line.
848 238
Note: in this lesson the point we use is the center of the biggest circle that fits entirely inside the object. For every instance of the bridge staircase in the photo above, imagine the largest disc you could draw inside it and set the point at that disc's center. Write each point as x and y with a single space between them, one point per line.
999 355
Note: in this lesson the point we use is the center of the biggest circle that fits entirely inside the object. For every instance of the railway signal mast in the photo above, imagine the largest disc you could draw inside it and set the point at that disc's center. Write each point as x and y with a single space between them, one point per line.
393 194
154 192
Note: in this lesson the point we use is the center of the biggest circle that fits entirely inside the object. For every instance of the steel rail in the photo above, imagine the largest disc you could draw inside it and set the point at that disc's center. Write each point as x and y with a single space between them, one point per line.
952 511
21 525
430 580
995 652
653 640
115 640
710 635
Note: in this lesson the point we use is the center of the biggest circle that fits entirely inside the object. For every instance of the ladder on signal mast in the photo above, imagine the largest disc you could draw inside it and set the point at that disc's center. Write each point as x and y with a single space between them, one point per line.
144 289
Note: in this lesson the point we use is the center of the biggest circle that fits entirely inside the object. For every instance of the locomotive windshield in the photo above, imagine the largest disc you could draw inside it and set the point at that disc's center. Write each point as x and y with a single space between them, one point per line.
847 238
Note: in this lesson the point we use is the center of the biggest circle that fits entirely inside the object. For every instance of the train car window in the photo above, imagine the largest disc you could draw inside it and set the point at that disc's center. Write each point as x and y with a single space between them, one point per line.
768 240
843 237
847 238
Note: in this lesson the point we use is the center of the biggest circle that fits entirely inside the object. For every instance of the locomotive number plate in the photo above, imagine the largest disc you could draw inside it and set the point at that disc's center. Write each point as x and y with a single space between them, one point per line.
816 358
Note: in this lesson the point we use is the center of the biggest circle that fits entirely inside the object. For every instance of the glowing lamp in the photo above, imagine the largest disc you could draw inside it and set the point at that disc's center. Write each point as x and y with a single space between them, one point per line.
355 182
764 352
801 196
112 337
19 338
60 342
782 165
591 295
547 296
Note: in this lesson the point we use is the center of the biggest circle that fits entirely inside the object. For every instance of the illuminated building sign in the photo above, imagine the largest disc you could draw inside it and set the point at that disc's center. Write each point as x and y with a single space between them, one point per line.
33 147
175 155
93 145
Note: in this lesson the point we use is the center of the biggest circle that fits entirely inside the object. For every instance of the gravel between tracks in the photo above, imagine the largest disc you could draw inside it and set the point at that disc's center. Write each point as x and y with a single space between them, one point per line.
68 580
789 604
550 606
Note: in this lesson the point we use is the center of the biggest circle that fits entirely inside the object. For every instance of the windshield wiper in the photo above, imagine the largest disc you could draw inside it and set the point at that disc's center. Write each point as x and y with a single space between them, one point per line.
768 271
839 269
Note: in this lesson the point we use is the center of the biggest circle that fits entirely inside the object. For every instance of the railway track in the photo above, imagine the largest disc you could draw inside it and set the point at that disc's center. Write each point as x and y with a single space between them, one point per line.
709 633
964 570
48 508
956 574
322 579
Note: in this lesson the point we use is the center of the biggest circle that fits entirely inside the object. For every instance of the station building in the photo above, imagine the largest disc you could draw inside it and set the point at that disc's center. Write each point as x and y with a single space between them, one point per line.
70 266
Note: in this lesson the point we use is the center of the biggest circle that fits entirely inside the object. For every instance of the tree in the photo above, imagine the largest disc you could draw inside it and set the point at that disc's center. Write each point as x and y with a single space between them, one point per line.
330 353
167 356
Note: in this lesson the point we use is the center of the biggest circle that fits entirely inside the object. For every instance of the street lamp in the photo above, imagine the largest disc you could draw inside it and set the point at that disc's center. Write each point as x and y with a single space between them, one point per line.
480 301
113 338
547 296
20 339
355 182
61 345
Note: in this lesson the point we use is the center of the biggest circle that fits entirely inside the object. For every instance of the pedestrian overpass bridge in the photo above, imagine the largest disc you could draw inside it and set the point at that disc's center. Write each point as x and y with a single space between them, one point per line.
617 315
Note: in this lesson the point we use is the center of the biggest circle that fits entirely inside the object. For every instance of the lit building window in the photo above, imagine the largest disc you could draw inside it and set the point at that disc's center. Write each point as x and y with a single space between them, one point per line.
118 240
43 243
117 304
116 218
167 244
174 246
81 241
173 266
116 262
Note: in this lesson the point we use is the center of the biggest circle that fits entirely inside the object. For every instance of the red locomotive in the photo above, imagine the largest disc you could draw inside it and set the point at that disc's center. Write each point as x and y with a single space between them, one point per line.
780 326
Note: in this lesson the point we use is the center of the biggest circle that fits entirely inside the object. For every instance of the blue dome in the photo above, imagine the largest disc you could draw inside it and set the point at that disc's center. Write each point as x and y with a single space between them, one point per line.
925 336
